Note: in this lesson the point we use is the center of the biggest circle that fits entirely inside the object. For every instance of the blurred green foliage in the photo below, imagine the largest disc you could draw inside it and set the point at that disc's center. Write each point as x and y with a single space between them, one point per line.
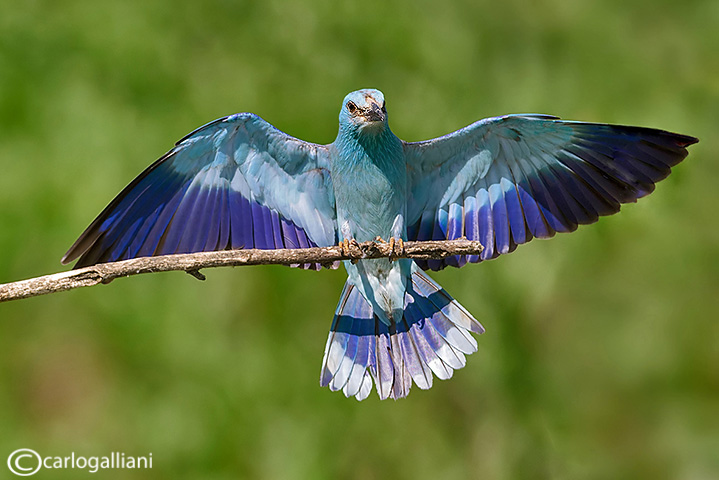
601 357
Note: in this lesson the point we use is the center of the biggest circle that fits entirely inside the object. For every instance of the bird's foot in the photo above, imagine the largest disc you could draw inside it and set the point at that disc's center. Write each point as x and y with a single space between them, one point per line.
345 245
396 247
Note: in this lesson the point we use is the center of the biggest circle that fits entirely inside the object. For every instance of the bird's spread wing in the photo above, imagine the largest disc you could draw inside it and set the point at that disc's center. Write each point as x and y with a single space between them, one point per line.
506 180
237 182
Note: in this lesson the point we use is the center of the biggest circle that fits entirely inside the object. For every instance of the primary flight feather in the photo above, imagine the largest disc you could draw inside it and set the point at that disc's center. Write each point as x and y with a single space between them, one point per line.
238 182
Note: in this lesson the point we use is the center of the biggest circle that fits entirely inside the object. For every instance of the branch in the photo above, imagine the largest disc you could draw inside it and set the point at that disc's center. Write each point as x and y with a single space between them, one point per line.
193 262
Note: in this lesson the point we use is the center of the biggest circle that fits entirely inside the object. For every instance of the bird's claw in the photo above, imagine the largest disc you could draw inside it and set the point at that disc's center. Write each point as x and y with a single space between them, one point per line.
345 248
396 247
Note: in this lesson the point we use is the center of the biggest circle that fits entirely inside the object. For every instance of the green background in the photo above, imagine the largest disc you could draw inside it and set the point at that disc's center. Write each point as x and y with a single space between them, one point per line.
601 357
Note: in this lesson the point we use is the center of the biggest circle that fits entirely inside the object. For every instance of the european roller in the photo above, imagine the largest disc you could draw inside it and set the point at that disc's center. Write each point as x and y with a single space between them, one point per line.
238 182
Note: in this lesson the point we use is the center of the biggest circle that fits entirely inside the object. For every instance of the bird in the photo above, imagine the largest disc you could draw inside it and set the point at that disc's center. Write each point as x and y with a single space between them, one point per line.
238 182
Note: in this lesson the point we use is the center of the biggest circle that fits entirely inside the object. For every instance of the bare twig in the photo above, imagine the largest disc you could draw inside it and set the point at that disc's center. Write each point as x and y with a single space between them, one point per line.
193 262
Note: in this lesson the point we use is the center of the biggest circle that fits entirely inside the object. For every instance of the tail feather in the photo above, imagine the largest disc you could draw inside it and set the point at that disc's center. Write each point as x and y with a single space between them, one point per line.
429 357
442 300
450 356
382 369
402 379
420 371
433 336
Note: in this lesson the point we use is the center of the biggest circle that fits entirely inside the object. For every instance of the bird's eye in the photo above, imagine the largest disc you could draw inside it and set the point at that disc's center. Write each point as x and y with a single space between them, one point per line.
384 109
351 107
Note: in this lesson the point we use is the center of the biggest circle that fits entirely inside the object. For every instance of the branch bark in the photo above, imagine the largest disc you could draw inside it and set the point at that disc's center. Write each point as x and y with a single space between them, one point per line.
193 262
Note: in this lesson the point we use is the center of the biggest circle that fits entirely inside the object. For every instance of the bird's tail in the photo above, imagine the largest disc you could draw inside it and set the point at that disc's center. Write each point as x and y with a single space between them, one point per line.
432 337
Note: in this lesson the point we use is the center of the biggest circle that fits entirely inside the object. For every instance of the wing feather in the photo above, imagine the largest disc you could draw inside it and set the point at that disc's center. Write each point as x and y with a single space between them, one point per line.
237 182
506 180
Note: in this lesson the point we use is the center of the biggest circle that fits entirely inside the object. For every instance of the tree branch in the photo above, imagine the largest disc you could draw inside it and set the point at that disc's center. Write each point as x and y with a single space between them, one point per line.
193 262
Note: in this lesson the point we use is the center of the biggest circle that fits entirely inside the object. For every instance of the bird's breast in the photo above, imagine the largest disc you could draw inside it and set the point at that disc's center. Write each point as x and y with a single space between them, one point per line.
370 195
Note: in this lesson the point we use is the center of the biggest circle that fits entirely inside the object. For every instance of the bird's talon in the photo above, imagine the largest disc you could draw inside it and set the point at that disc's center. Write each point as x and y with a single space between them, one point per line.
345 248
396 248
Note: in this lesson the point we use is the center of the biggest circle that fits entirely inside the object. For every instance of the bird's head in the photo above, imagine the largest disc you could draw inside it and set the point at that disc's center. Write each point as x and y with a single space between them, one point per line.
364 110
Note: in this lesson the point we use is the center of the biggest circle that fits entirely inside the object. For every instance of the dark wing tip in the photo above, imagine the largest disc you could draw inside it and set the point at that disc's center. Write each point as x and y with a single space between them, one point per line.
679 139
70 255
87 239
685 140
84 242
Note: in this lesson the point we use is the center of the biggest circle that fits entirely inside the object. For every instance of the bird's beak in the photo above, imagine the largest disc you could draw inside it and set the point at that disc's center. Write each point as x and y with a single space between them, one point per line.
374 113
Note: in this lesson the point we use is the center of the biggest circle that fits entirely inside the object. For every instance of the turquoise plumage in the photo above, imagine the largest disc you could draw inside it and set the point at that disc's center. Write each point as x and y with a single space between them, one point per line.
238 182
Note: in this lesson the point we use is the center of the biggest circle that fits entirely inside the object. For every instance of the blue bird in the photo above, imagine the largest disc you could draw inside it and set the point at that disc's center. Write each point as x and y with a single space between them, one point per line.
238 182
